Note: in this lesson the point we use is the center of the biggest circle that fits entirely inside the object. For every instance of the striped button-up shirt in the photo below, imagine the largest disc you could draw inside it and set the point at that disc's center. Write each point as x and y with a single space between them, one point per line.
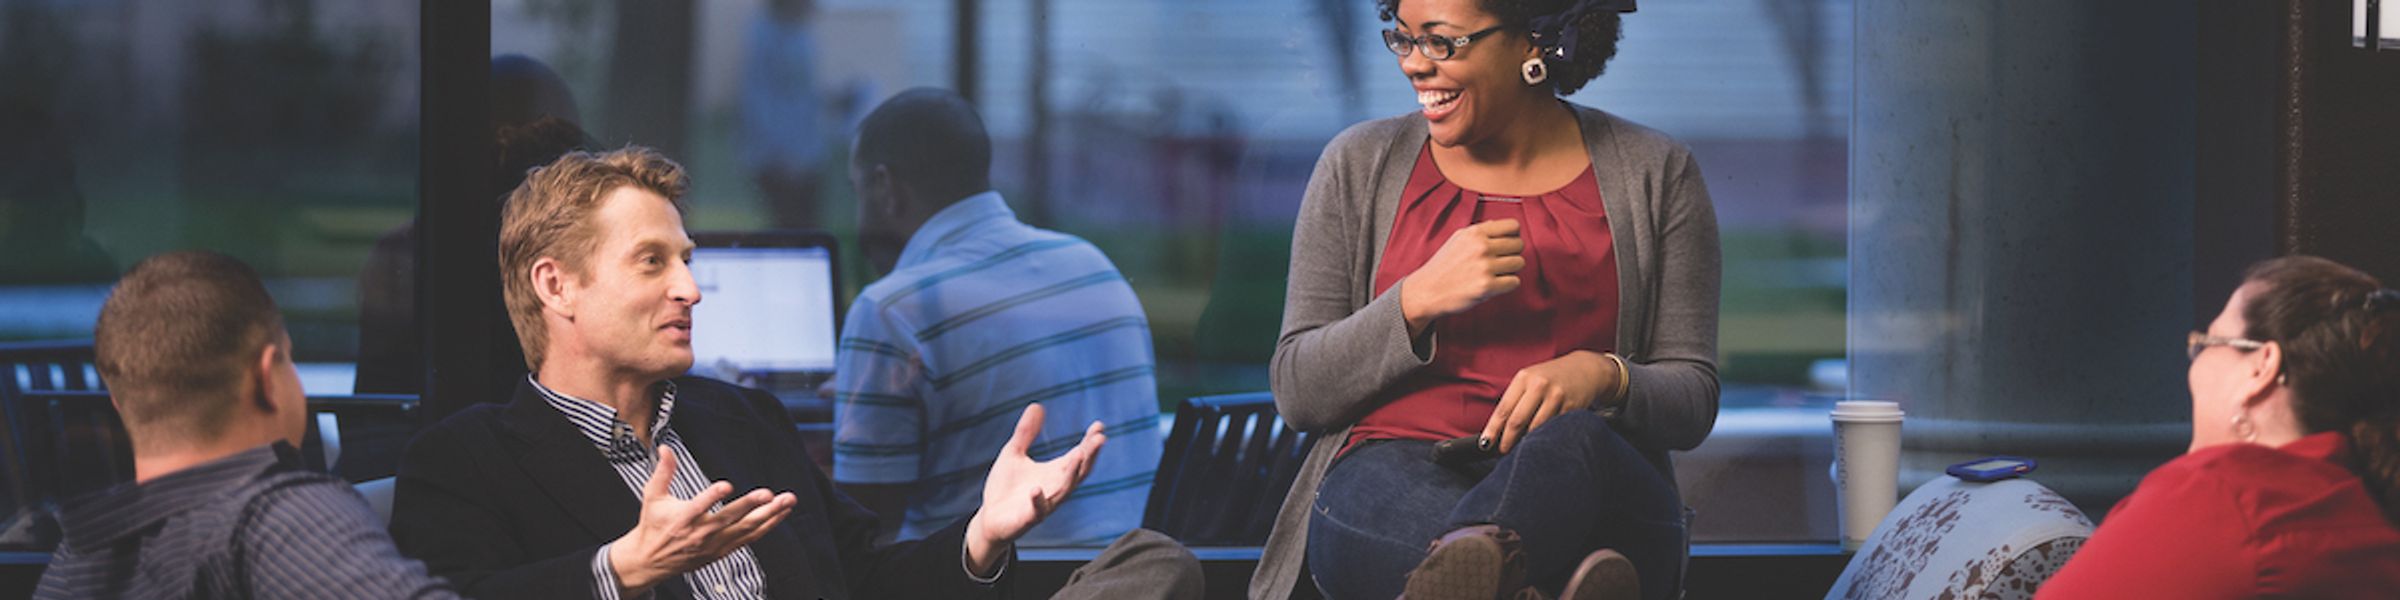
253 525
982 316
734 576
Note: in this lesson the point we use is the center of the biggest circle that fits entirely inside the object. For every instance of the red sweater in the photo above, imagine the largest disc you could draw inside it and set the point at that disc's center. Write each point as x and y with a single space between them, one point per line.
1567 301
2242 521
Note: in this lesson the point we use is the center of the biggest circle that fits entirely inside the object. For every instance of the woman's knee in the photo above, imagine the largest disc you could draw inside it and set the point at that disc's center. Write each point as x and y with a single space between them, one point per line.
1582 419
1581 426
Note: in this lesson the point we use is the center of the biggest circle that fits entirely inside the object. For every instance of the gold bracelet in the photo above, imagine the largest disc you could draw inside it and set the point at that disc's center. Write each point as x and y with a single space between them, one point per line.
1624 378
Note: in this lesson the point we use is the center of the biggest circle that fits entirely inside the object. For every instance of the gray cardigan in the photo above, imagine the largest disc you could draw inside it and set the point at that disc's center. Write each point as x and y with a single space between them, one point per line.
1342 345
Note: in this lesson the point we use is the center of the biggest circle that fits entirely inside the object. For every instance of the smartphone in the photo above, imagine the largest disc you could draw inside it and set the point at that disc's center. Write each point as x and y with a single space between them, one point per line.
1991 469
1462 450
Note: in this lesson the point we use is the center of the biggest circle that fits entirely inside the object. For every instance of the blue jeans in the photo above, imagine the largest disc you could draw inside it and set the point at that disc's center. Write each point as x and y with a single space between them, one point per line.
1570 487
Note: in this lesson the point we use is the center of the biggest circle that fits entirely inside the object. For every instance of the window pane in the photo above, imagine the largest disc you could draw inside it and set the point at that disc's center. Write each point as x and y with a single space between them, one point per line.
1177 137
281 133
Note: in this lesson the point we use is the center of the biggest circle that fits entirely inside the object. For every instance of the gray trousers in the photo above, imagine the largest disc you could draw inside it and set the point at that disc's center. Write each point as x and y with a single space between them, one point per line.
1142 564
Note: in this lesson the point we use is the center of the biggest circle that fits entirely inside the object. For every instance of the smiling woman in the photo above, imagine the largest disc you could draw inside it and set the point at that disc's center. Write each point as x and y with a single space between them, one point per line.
1531 276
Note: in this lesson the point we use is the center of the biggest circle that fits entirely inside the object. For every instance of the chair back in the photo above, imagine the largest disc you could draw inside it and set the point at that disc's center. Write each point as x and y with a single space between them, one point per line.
1228 462
378 493
1959 539
60 437
359 436
34 367
75 443
49 365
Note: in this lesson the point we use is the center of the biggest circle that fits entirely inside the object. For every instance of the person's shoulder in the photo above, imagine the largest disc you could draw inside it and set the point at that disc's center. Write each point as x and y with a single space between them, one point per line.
873 295
971 262
896 286
463 435
2222 458
691 390
2253 466
1633 137
2226 469
705 389
303 500
289 502
1074 245
469 421
707 400
1374 135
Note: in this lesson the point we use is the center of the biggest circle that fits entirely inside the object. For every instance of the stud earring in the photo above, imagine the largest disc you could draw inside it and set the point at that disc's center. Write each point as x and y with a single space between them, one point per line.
1535 71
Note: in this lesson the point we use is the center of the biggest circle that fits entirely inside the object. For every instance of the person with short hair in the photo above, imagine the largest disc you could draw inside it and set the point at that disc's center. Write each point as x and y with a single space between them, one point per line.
2291 488
199 366
978 315
611 473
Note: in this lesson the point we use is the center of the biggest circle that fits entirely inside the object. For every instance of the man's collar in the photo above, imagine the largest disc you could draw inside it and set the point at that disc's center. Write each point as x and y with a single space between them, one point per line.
949 222
601 424
127 509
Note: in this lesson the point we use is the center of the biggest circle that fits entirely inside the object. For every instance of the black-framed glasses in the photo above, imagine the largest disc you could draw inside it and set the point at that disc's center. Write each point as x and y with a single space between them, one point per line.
1436 47
2198 341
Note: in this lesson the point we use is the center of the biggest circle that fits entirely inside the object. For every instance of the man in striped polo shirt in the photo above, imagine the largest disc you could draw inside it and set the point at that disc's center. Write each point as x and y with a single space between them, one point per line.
977 316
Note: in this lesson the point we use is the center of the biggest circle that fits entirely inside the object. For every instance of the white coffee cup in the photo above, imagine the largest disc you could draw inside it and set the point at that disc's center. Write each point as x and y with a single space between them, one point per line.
1866 465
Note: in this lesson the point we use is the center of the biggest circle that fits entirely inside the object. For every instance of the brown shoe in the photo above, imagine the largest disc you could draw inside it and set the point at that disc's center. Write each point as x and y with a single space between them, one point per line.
1604 575
1478 562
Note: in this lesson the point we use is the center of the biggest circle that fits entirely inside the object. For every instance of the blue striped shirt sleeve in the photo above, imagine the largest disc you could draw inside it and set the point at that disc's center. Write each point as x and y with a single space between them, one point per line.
878 407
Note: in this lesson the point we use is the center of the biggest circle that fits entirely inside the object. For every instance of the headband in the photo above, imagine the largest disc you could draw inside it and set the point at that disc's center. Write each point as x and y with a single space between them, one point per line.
1557 33
2378 300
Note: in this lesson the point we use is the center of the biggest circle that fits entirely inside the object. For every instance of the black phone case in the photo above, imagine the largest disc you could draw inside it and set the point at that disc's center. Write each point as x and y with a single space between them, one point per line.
1458 451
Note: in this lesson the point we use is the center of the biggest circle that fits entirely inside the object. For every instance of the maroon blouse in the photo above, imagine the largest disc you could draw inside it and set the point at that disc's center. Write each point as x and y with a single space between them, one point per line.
1568 300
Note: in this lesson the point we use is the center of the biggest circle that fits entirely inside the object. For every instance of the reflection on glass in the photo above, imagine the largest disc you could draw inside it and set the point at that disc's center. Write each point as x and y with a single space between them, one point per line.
282 133
1186 168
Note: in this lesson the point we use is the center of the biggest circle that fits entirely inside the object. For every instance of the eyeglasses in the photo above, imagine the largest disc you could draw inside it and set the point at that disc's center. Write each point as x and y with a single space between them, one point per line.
1436 47
2197 341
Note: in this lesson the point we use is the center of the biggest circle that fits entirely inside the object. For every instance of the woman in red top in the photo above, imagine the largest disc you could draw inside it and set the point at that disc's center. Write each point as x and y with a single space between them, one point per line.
1513 271
2292 485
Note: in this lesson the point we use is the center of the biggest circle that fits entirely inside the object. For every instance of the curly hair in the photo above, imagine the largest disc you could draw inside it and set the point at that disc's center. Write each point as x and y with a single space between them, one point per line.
1602 28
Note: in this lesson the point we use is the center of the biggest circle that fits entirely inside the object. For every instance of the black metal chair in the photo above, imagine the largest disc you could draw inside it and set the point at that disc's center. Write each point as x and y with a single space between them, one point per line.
75 443
365 432
60 437
34 367
1229 461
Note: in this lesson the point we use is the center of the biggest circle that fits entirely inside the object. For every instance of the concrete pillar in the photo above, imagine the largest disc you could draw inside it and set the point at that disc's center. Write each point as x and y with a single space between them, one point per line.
2021 233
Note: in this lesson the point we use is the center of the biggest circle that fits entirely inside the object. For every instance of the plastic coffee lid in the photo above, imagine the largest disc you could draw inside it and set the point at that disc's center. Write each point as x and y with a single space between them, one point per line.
1867 410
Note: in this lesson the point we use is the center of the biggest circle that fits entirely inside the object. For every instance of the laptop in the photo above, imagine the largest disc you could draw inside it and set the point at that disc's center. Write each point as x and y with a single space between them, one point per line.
768 310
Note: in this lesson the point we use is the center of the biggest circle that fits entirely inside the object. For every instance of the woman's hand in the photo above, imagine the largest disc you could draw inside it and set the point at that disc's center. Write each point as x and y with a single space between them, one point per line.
1546 390
1478 262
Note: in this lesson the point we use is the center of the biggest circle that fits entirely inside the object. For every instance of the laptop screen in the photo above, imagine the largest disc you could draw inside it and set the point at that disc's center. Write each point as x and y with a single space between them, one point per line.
763 310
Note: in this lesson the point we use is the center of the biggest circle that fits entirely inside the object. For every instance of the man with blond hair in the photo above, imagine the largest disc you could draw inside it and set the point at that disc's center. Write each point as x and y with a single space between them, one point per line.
612 474
200 369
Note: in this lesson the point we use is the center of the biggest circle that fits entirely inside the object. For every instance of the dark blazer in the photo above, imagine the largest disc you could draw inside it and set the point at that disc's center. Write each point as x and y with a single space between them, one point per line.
509 500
